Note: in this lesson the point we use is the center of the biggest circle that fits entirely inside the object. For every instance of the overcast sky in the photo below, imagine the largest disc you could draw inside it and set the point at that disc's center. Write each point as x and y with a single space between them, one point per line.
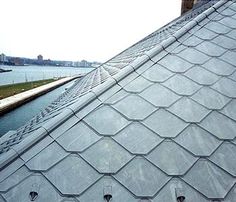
94 30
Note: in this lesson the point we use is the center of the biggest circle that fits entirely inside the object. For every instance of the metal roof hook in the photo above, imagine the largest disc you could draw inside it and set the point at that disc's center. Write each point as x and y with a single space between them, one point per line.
107 193
179 195
33 195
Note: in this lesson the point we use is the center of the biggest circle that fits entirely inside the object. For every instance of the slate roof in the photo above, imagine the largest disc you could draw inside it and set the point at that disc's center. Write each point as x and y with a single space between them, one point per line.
155 123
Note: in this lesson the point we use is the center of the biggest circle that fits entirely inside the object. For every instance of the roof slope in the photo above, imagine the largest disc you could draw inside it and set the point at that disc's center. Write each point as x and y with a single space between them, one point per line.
156 122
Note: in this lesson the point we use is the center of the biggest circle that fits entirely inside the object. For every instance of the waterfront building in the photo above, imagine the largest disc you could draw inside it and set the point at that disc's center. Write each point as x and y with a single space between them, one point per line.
156 123
40 58
3 58
16 60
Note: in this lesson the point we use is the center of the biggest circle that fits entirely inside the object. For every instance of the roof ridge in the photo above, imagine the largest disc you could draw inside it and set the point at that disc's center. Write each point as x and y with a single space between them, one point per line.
163 45
85 99
187 15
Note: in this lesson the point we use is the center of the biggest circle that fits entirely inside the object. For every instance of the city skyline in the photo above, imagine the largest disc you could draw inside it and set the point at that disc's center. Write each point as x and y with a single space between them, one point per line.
91 30
40 60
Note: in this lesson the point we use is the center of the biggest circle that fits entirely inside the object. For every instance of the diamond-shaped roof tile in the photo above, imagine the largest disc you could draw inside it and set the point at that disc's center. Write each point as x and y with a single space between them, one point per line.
194 56
225 157
184 37
123 82
78 138
106 120
181 85
225 42
226 87
229 22
175 64
217 27
87 109
231 196
201 76
137 138
219 67
219 125
168 193
109 93
144 67
116 97
72 175
192 41
11 168
63 127
233 6
157 73
205 34
178 49
165 124
141 177
36 182
47 157
197 141
26 156
188 110
210 180
14 179
229 57
134 107
230 110
137 85
97 191
171 158
107 156
210 98
232 34
233 76
227 11
210 49
159 95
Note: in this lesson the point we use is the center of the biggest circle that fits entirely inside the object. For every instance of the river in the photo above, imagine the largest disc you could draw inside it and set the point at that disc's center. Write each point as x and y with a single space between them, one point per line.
19 116
21 74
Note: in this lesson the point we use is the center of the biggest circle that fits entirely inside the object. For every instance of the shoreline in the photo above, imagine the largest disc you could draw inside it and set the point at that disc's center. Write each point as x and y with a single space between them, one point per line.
14 89
5 70
12 102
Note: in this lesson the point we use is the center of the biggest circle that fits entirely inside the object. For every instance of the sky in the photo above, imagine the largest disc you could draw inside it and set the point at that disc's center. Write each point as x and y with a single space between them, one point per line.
94 30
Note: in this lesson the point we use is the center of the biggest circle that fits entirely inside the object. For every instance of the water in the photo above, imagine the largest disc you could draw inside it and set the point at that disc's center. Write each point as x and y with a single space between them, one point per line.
19 116
21 74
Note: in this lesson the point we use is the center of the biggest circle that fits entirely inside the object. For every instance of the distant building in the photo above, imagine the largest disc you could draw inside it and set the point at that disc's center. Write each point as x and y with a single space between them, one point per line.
84 63
40 57
17 61
3 58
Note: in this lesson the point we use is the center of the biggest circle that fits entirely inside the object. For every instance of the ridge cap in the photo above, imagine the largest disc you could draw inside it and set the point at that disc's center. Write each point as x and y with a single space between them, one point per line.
164 44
